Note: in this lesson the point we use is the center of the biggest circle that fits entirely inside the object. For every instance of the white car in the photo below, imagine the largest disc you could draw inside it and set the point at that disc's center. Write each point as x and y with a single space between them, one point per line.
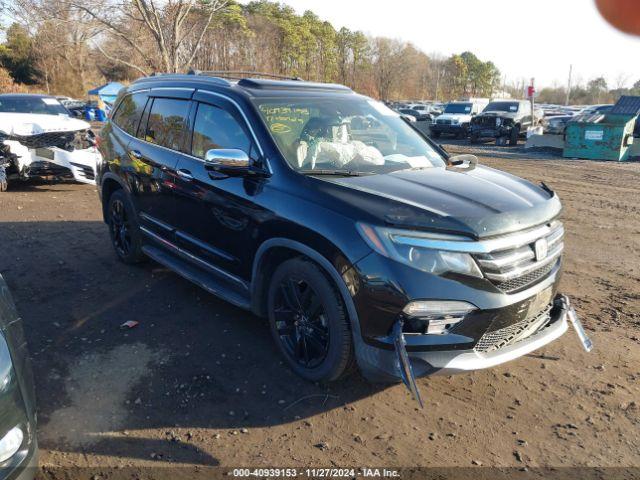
456 118
38 138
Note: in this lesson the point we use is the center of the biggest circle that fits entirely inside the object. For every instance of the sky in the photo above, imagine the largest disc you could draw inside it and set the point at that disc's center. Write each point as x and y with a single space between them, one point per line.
524 38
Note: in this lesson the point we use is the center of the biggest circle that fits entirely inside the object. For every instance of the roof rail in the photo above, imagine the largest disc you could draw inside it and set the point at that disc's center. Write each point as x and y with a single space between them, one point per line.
267 84
241 74
177 76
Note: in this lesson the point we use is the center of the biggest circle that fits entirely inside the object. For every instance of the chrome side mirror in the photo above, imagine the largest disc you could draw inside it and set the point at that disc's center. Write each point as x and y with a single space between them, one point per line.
230 161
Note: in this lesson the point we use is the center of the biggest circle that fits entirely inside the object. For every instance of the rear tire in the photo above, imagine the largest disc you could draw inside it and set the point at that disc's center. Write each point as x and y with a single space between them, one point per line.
124 229
309 322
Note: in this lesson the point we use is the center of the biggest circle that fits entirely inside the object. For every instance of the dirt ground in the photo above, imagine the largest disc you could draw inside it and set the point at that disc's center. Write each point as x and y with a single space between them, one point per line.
198 383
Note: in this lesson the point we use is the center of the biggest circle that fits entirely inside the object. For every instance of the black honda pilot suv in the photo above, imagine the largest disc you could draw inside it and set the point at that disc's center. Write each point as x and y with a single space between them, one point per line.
358 238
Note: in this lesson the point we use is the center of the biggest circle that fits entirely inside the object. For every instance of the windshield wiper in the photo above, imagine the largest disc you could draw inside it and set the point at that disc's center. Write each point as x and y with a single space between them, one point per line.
341 173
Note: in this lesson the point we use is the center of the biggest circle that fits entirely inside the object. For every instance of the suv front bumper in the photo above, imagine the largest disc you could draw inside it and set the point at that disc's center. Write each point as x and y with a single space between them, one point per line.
384 365
482 131
448 362
451 129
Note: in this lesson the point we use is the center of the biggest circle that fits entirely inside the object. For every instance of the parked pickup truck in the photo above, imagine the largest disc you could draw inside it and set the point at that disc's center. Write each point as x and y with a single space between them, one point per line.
504 119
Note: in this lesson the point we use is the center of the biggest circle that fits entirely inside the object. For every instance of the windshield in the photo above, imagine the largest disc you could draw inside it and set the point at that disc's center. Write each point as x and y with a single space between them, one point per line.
345 134
502 107
41 105
458 108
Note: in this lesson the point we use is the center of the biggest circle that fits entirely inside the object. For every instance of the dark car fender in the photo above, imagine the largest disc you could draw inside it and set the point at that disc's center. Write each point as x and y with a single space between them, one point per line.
328 268
106 186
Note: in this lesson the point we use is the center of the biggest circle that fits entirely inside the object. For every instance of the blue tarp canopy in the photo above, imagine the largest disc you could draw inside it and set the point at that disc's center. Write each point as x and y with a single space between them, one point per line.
107 92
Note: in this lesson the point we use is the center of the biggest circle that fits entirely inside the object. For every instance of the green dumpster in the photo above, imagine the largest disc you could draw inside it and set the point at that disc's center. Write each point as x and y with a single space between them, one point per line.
603 137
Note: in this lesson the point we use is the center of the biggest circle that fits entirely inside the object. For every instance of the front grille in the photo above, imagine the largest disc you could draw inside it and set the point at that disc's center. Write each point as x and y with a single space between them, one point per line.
527 279
443 122
497 339
43 140
47 169
486 122
519 266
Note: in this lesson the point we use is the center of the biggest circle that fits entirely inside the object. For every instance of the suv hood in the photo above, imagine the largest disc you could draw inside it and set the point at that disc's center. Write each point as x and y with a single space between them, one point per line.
28 124
461 117
477 203
498 114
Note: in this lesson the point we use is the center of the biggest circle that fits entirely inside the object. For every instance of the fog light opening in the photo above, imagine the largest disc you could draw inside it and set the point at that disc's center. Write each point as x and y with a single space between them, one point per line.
435 317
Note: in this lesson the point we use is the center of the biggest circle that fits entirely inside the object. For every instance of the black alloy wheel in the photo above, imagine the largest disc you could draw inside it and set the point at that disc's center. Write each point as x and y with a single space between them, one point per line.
301 322
123 228
309 322
120 228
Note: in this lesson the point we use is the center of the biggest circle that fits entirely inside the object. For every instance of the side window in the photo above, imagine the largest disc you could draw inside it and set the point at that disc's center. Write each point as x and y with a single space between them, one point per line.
129 112
216 128
166 124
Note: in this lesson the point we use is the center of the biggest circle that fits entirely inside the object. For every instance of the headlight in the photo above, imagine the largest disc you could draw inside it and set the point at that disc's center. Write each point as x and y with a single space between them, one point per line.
455 121
498 122
404 247
10 443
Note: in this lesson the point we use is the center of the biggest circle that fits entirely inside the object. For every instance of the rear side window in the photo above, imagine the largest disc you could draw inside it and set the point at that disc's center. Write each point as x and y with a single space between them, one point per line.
128 114
167 120
217 128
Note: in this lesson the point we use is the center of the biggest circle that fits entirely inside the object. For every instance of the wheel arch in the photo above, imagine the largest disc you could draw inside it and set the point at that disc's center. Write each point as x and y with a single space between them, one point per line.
110 183
275 250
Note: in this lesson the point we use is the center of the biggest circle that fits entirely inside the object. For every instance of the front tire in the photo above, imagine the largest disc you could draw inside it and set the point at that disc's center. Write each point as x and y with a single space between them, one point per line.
124 229
4 182
309 322
514 135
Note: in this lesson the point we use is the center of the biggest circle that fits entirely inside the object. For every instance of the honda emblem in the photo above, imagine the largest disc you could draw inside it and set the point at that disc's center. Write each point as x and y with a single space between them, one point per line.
541 248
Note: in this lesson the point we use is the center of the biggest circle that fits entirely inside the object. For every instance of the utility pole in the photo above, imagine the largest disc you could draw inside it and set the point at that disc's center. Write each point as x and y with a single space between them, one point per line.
532 90
569 86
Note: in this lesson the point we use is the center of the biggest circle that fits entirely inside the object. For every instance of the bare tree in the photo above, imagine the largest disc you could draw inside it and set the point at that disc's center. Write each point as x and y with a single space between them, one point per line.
621 81
176 29
61 35
388 63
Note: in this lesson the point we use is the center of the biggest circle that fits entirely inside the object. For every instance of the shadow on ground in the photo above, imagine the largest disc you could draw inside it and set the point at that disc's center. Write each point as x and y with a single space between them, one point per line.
193 361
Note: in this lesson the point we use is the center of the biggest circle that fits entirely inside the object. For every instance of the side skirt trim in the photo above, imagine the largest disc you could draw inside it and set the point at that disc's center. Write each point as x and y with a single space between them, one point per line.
196 260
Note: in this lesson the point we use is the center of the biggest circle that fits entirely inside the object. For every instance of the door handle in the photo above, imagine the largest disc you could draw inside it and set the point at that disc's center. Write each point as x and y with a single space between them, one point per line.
185 174
135 154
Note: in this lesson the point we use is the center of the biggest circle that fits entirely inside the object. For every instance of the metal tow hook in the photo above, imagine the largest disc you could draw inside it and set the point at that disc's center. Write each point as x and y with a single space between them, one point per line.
586 342
406 371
